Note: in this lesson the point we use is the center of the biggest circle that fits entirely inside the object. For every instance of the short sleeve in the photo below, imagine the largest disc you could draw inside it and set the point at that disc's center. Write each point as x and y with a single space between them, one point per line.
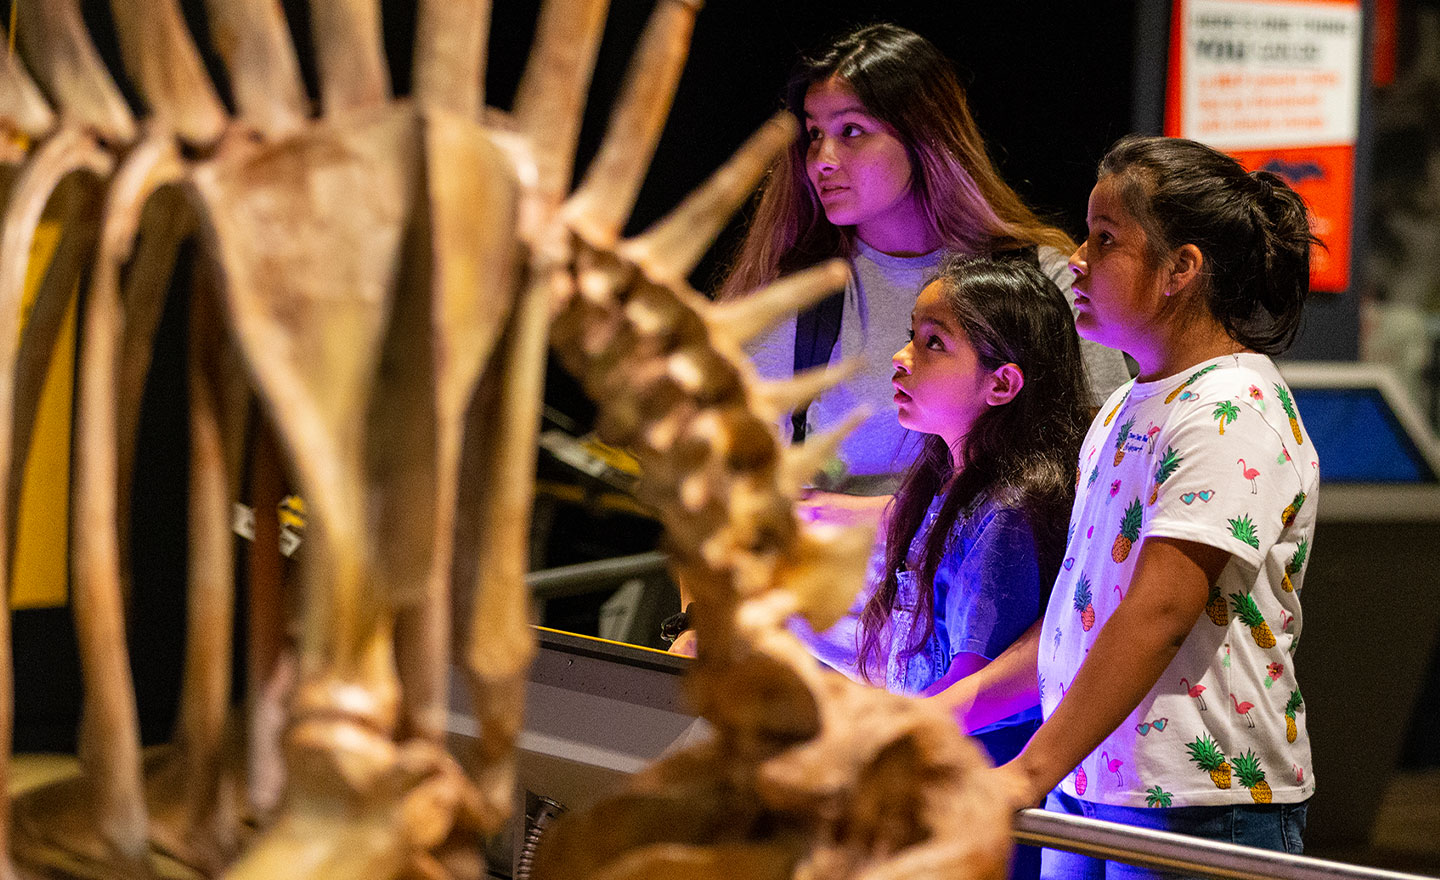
1229 466
988 584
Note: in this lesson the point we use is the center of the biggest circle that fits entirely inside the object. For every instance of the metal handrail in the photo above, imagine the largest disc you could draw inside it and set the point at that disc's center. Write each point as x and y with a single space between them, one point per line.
1178 852
585 577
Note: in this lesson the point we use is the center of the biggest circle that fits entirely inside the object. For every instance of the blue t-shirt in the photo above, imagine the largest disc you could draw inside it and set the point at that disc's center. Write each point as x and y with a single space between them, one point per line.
986 594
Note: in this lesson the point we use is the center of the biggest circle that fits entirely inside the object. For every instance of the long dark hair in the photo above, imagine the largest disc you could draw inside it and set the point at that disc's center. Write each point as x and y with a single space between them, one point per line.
903 80
1252 228
1020 454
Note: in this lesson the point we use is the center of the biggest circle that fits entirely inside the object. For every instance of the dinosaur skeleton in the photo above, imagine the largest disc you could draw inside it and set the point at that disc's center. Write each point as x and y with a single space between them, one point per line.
384 276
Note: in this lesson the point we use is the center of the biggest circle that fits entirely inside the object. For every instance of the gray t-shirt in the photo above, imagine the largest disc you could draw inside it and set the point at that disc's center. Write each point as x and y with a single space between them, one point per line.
874 324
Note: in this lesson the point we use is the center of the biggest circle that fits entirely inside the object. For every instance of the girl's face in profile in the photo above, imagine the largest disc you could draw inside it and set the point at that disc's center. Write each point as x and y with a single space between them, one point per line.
1119 286
940 384
858 166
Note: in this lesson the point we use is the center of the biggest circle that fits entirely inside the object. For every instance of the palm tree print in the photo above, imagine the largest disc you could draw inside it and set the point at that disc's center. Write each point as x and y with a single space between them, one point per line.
1155 796
1225 411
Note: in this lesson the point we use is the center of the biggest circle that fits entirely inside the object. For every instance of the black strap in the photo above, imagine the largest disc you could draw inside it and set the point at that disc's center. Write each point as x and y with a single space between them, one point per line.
816 330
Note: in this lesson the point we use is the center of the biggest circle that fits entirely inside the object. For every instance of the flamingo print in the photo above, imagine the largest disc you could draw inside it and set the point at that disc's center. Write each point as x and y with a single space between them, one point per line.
1119 592
1299 774
1250 474
1194 691
1243 709
1113 765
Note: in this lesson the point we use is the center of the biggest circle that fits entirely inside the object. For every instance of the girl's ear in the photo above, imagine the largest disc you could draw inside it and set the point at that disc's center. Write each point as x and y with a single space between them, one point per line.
1186 263
1005 383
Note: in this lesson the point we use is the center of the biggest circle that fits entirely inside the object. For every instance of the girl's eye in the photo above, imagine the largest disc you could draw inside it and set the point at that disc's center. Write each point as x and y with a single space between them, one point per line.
910 335
813 133
1102 237
935 343
850 129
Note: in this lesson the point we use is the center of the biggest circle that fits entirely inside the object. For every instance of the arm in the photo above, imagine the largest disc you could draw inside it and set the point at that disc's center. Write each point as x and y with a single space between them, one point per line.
845 510
1167 595
991 691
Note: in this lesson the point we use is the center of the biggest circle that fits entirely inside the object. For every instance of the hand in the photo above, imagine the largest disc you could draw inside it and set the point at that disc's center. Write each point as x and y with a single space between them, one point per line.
843 510
684 644
1015 786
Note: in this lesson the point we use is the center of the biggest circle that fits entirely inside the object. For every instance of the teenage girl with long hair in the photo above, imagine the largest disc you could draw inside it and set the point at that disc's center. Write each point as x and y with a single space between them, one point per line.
891 174
1165 665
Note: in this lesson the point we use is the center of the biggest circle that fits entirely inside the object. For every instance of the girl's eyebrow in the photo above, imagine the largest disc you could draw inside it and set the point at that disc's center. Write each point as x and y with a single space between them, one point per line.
848 108
919 321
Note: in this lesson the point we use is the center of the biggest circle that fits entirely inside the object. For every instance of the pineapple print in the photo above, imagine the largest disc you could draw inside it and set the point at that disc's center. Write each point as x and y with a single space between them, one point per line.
1083 603
1243 530
1120 441
1290 413
1206 755
1296 563
1225 412
1250 615
1186 384
1106 423
1247 767
1155 796
1216 608
1166 469
1287 516
1129 532
1292 706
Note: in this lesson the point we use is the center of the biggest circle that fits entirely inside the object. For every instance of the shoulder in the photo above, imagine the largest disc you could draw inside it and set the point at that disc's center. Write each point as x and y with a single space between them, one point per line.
994 521
1056 266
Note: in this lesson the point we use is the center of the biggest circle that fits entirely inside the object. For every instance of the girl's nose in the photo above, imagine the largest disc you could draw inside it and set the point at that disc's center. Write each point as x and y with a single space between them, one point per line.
1077 261
822 153
901 359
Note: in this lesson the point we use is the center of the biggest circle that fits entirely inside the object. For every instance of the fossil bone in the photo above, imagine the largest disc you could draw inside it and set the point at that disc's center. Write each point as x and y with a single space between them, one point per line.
383 278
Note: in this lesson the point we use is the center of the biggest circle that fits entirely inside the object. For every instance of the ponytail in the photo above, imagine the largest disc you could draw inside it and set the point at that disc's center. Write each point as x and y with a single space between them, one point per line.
1252 228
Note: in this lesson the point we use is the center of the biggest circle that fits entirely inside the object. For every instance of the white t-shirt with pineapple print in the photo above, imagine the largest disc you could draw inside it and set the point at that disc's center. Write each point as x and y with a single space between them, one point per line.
1215 455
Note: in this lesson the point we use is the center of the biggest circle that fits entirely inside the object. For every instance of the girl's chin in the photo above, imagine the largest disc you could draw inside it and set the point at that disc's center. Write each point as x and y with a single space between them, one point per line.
1087 328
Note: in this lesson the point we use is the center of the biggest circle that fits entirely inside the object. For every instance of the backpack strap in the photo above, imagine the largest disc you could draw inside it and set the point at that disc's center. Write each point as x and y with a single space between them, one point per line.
816 330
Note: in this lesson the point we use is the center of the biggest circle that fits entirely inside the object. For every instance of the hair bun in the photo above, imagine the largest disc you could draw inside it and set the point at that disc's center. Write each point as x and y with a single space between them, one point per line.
1264 184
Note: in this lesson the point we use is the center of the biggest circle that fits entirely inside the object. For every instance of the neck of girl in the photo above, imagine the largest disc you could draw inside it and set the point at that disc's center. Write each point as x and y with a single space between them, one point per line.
1184 342
904 231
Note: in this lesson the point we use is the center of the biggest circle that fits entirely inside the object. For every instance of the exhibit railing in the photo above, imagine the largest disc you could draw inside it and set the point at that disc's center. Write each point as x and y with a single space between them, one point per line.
1091 837
585 577
1177 852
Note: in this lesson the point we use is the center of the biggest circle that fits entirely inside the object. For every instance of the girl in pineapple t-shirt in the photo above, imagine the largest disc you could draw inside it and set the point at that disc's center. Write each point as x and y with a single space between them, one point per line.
1164 665
1216 456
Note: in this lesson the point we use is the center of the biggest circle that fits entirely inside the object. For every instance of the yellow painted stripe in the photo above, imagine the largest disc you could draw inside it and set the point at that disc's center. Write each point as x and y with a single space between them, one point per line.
43 527
606 641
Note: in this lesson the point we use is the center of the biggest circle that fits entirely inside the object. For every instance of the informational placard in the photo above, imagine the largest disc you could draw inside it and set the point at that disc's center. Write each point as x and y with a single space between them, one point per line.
1276 84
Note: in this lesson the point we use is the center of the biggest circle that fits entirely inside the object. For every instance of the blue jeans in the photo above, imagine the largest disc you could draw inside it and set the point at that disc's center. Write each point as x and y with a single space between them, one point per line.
1264 826
1002 745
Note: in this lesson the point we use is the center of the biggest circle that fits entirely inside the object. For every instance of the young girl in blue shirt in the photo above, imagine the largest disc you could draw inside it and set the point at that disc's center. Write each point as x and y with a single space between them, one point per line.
1165 662
992 378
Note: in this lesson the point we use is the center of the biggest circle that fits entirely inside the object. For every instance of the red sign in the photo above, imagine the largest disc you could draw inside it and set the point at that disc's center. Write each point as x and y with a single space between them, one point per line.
1276 83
